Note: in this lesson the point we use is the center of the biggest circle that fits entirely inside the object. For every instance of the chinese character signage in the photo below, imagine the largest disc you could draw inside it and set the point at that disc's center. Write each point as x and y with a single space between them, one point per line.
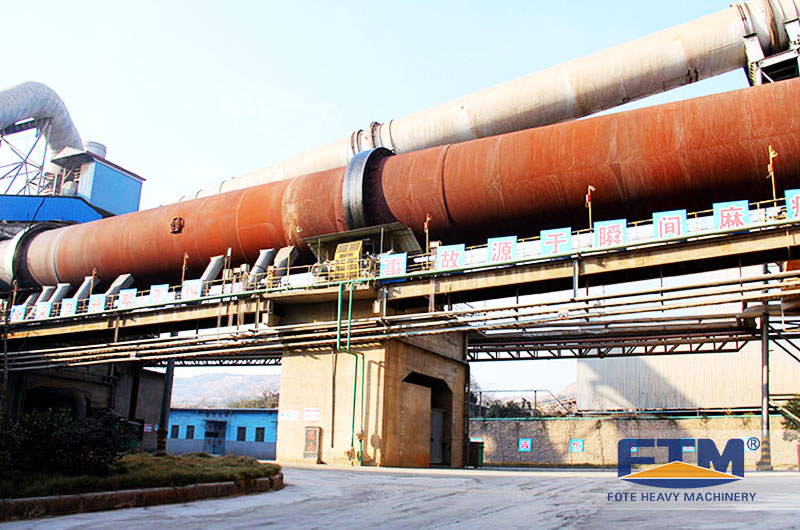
43 310
311 446
793 204
393 265
669 224
17 313
501 249
68 307
158 293
610 233
525 445
556 241
450 257
288 415
576 444
127 298
97 303
735 214
191 289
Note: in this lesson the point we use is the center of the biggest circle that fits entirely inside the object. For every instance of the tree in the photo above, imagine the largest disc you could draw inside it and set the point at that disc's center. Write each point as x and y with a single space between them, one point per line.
54 441
475 405
266 399
509 409
791 425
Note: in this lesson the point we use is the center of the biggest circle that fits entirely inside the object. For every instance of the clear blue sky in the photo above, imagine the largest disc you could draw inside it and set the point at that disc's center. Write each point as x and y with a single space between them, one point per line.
189 93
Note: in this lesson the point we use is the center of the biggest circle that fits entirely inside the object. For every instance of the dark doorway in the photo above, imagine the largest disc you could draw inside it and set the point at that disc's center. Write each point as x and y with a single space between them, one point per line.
441 416
437 436
43 398
215 437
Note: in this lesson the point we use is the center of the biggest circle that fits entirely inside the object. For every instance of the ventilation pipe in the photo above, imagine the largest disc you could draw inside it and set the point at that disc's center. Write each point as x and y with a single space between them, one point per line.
31 100
677 56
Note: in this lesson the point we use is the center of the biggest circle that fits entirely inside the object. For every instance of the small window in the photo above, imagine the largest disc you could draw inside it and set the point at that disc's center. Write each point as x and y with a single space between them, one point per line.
175 430
259 434
241 434
190 432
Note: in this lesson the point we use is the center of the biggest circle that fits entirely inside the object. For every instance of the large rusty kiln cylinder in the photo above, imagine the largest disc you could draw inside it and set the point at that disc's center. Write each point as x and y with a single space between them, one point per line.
687 154
683 54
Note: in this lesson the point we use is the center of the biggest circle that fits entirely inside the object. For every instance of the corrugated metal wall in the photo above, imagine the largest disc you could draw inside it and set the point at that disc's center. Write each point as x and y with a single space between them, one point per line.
708 381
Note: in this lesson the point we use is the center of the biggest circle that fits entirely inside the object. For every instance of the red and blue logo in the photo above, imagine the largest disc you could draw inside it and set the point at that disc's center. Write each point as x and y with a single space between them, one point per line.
676 473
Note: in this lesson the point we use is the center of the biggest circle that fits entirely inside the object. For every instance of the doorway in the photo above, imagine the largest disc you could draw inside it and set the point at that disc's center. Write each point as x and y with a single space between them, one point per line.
440 418
215 437
437 436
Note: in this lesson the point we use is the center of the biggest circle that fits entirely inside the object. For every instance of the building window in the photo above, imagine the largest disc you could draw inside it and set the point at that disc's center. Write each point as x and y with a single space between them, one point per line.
175 430
259 434
190 432
241 433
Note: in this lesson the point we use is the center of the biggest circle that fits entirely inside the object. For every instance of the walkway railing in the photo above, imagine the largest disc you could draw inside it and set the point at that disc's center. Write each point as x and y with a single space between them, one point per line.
502 252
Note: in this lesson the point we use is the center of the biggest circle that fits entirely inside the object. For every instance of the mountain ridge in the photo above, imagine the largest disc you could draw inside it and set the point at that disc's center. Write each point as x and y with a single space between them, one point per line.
218 390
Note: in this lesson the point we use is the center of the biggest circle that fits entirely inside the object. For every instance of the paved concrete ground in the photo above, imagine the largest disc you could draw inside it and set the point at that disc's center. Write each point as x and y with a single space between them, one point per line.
326 497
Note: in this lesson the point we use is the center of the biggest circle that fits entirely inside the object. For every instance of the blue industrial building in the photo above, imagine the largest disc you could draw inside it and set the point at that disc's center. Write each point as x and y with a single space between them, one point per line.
250 432
36 208
104 184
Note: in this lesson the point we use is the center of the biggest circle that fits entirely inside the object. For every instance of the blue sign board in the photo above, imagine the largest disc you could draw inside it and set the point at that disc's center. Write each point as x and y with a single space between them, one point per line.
501 249
733 214
669 224
610 233
792 204
576 445
555 241
450 257
393 265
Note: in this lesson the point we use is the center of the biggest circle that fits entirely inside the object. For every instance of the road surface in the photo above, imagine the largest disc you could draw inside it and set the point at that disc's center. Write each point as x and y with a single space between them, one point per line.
335 497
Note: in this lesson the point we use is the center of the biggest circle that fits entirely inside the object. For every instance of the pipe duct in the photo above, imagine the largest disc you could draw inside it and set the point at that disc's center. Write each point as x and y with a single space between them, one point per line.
38 101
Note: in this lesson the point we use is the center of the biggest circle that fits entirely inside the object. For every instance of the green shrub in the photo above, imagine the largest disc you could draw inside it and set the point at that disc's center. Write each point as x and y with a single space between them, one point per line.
53 441
791 426
138 470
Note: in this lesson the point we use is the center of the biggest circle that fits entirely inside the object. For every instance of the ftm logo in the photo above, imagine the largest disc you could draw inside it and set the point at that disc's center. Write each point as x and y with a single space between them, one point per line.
679 474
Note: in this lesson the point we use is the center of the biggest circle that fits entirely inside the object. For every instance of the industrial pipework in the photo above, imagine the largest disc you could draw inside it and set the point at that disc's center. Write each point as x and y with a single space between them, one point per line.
679 155
677 56
36 101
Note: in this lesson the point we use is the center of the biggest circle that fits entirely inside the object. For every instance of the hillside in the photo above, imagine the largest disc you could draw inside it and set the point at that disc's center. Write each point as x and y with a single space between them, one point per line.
219 389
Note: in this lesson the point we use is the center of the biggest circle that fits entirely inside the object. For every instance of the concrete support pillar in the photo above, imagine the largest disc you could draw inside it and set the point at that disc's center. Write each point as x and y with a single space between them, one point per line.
765 463
166 398
136 369
391 403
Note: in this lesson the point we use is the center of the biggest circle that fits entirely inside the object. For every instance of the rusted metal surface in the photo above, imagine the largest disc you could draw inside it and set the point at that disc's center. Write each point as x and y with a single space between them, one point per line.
681 155
142 243
145 243
683 54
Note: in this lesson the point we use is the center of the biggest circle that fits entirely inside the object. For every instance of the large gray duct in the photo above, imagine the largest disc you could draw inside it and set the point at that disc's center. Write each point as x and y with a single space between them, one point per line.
683 54
38 101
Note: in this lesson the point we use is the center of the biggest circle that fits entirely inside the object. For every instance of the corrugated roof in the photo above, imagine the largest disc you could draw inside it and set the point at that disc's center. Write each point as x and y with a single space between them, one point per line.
71 158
